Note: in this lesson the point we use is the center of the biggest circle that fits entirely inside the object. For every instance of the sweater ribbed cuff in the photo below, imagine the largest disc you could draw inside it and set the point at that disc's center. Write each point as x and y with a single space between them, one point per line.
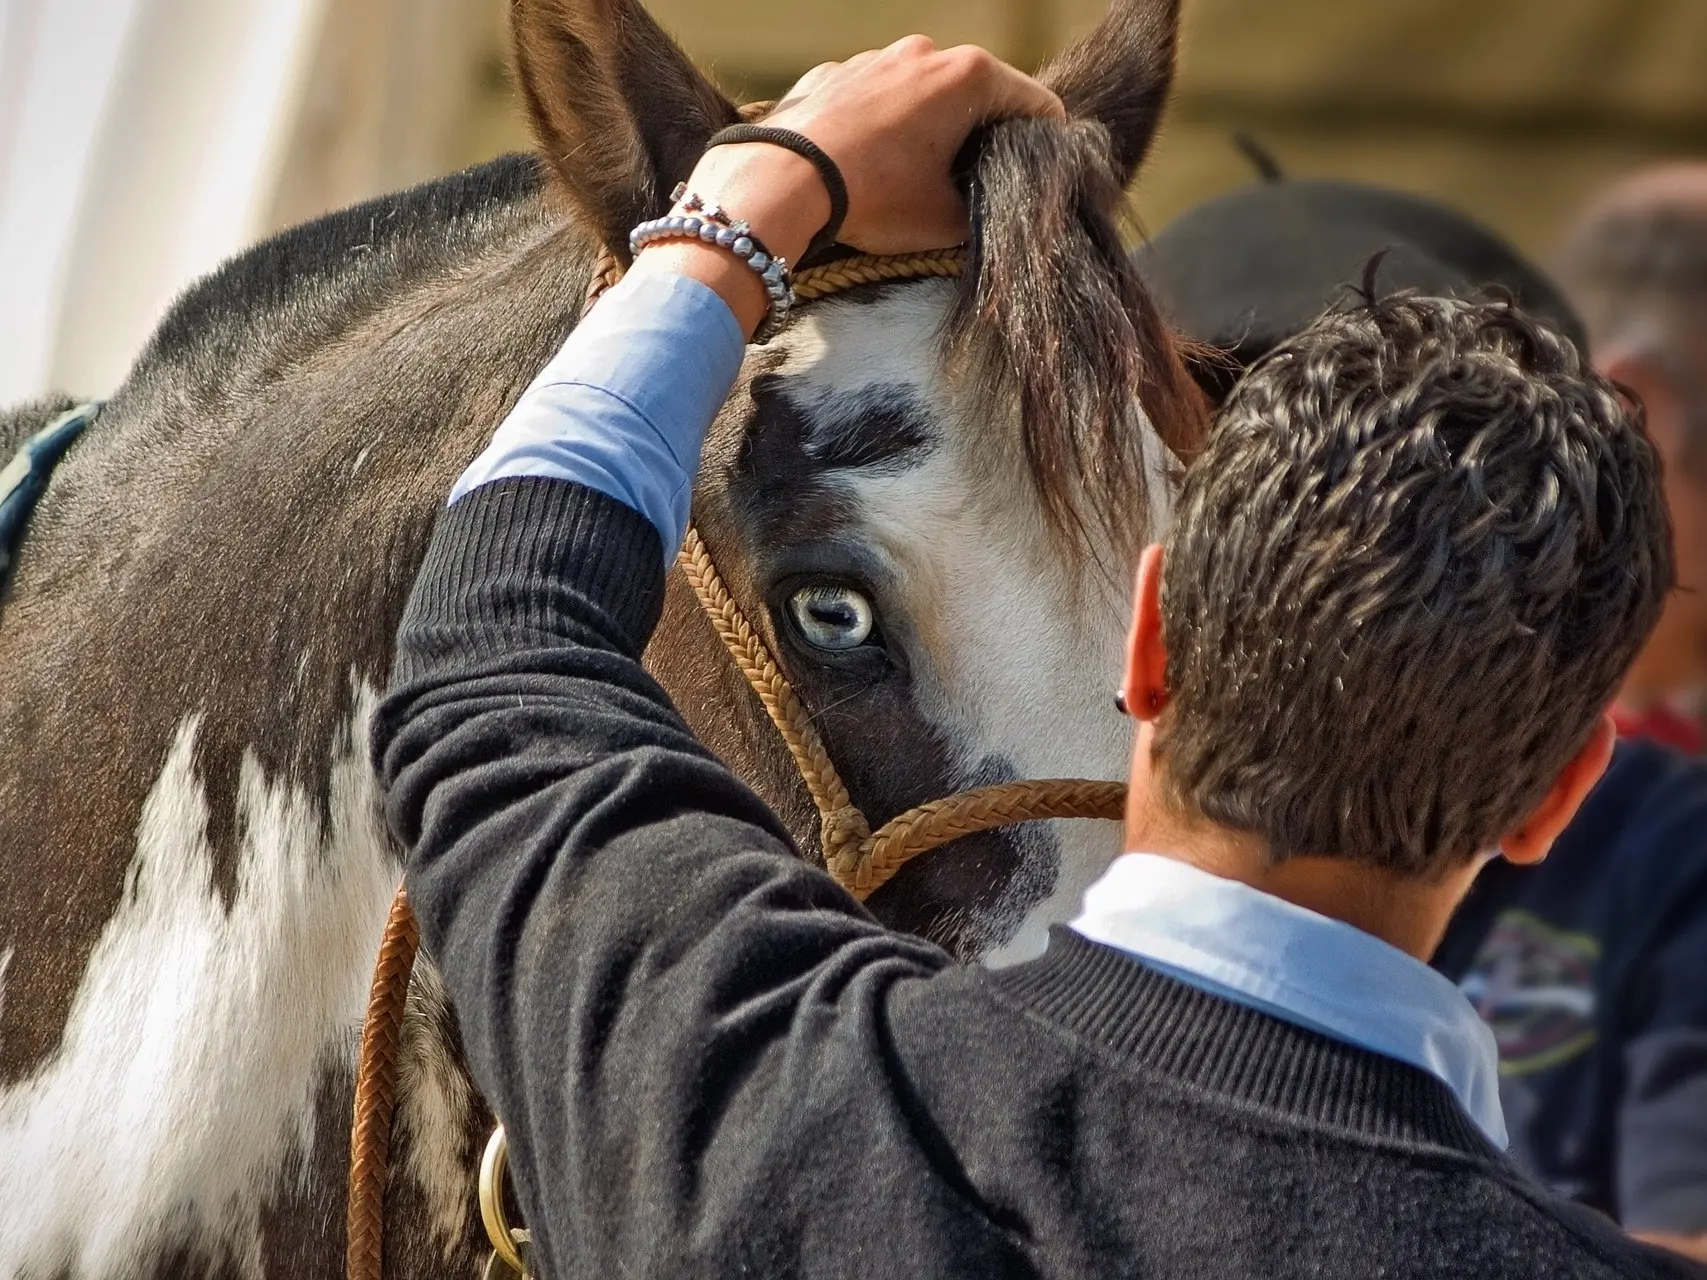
507 558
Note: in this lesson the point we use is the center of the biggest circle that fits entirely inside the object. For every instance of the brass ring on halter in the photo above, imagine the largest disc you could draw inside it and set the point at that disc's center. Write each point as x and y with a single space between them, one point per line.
492 1166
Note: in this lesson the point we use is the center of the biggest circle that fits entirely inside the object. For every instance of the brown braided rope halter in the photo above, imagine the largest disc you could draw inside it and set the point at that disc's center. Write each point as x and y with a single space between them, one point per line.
860 859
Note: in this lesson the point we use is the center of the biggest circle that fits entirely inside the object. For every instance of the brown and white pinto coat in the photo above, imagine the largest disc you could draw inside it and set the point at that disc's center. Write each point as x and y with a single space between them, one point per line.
193 867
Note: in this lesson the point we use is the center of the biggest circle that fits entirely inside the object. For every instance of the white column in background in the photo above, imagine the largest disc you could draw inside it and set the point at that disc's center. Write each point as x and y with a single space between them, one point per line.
140 141
58 59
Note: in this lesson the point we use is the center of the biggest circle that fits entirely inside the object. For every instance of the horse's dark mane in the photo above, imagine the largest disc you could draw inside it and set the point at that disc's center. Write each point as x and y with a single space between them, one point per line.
1054 318
364 248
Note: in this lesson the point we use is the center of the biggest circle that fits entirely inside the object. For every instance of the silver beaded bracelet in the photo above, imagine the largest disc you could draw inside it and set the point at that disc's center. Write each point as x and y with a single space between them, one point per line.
708 223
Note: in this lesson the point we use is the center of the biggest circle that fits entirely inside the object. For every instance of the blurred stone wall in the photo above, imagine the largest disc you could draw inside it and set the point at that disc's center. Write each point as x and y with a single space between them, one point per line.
1513 110
394 95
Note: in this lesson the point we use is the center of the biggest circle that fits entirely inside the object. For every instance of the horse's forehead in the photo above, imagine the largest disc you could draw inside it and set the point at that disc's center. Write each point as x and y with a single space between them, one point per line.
888 338
881 348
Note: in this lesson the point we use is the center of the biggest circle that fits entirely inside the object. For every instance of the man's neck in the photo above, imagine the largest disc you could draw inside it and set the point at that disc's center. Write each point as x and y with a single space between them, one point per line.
1407 912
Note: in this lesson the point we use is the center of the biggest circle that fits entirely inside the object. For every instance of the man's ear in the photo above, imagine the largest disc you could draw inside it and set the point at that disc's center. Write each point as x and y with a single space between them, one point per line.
1530 842
1144 685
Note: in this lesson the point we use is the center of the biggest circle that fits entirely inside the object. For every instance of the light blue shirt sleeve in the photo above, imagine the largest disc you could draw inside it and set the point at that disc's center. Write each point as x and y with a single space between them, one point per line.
624 405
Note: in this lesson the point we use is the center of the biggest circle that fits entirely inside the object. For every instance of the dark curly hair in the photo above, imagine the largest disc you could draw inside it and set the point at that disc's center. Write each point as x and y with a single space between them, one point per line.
1404 580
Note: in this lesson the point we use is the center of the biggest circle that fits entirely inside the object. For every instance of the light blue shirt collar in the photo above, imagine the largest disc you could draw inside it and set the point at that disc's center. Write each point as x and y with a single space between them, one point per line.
1258 950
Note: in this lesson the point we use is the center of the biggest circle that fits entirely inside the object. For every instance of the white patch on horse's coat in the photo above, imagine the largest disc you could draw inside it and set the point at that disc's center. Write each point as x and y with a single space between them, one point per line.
185 1085
435 1100
361 458
1015 663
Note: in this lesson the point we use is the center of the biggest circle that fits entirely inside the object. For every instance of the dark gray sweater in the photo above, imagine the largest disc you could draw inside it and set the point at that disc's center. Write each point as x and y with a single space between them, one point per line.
712 1062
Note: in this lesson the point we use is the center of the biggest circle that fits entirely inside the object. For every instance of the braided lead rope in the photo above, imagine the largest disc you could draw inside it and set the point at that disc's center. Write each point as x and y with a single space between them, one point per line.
606 272
930 826
871 268
376 1092
860 860
842 826
831 277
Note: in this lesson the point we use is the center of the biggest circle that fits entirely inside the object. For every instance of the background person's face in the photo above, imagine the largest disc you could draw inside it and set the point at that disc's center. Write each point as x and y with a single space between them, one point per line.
1675 660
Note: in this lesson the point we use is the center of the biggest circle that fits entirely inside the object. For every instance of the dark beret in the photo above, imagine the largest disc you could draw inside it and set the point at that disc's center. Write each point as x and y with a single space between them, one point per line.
1251 268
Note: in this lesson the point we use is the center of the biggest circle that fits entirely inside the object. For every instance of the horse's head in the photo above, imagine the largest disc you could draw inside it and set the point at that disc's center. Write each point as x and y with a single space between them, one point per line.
926 494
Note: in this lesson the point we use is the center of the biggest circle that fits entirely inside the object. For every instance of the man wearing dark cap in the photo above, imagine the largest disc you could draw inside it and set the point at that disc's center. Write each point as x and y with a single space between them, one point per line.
1591 968
1248 270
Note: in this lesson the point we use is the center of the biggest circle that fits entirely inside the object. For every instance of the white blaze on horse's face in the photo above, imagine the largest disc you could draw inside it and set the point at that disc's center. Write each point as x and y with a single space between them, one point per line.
1014 649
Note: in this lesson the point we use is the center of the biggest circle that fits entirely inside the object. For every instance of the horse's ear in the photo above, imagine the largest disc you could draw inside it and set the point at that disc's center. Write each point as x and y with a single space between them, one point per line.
1120 75
620 112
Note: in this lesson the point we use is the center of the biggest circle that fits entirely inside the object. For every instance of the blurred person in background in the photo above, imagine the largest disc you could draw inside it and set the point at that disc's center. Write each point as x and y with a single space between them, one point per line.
1635 265
1591 967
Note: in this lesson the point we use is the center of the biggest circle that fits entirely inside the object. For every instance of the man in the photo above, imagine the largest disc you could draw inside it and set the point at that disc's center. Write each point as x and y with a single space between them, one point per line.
1403 539
1635 264
1589 967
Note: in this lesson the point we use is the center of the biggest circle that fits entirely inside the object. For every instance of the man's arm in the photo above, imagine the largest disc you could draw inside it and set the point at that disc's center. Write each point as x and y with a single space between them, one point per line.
666 1007
644 973
641 964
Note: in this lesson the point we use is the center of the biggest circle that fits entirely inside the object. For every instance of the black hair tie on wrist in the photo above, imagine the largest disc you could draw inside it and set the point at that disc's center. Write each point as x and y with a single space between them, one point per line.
806 149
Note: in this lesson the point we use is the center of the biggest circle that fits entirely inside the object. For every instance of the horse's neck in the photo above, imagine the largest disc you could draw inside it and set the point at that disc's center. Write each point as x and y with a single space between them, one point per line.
195 637
232 545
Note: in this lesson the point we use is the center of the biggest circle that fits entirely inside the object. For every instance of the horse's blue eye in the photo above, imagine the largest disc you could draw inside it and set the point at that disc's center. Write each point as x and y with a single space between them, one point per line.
832 617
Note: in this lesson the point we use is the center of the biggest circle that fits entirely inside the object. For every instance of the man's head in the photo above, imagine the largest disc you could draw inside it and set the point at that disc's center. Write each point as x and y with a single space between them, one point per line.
1636 266
1404 580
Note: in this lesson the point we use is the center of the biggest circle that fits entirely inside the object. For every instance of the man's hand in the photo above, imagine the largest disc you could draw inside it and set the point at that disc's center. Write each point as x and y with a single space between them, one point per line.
893 120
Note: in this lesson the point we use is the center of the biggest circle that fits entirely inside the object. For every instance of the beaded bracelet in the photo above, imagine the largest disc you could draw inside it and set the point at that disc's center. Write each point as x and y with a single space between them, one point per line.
708 223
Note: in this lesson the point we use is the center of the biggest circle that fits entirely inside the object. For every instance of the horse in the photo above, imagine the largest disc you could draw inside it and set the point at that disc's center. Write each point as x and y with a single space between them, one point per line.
926 494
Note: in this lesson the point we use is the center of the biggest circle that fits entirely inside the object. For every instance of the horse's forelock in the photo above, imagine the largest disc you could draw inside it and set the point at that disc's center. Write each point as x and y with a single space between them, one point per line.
1054 318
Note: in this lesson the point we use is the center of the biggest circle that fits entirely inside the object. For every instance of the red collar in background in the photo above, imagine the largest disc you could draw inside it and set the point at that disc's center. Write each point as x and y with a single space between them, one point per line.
1665 725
